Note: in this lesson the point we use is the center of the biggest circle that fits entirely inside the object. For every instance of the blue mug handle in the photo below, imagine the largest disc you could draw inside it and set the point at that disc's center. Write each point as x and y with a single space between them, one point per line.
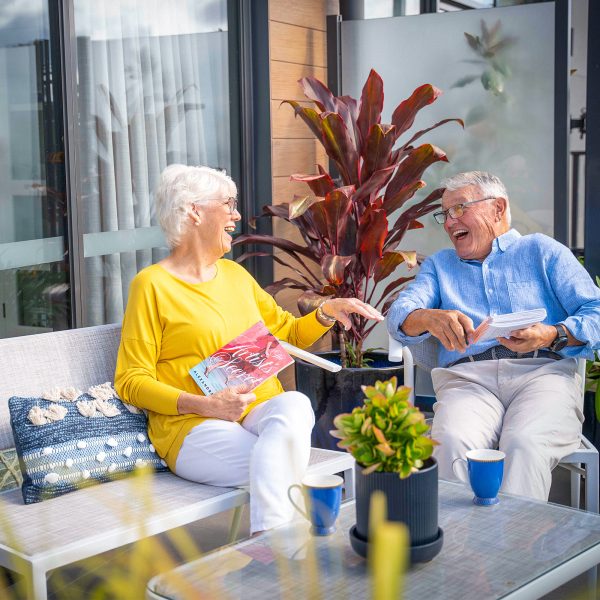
289 493
462 461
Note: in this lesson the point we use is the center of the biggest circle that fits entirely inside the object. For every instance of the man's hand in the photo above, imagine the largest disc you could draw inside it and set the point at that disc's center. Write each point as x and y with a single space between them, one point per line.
228 404
451 327
531 338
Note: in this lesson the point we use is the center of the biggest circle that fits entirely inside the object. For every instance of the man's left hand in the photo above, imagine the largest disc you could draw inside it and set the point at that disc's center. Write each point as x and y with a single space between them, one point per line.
531 338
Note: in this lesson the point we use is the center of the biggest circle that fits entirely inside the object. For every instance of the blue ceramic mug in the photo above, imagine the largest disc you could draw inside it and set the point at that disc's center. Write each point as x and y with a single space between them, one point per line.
484 469
323 496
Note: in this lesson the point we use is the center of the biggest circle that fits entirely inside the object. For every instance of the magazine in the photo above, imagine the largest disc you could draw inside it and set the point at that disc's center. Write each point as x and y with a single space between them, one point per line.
496 326
247 360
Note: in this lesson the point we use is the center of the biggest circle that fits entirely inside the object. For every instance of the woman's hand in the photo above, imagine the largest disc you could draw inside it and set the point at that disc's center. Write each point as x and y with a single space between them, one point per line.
228 404
342 308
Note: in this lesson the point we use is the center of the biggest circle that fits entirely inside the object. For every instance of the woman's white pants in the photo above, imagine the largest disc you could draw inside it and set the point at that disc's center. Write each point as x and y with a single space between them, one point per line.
268 451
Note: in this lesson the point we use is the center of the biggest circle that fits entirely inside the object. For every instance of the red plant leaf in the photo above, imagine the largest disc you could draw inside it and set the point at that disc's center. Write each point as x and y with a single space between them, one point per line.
422 132
374 184
300 204
309 115
412 168
319 93
371 235
309 300
334 267
287 282
403 195
404 115
320 184
415 225
371 105
270 240
334 212
377 150
340 147
390 261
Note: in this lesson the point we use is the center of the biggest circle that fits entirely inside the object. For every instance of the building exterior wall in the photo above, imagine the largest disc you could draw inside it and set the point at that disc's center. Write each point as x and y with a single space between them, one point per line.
297 45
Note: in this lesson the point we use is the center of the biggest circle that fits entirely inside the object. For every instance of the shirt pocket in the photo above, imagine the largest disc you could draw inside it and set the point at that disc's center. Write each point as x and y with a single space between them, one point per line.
525 295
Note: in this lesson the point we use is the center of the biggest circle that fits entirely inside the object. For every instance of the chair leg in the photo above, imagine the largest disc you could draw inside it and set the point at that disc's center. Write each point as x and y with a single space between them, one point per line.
592 485
235 524
576 488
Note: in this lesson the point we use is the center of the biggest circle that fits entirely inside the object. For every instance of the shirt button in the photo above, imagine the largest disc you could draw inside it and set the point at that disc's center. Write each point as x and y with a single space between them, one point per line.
490 291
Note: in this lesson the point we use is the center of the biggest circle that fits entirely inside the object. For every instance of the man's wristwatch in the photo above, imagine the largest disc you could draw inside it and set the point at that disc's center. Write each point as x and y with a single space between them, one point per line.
561 339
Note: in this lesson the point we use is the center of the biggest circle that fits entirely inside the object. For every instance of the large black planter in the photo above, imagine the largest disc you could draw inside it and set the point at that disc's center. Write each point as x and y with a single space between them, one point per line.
413 501
335 393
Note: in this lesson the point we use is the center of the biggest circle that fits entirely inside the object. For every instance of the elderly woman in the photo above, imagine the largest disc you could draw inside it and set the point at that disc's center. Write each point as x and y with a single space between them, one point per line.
182 310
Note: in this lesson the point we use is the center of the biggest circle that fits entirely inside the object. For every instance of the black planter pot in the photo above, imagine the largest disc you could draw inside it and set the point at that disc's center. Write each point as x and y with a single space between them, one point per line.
335 393
413 501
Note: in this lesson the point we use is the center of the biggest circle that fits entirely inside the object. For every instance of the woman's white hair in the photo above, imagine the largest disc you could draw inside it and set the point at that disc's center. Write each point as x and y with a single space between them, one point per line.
181 186
489 184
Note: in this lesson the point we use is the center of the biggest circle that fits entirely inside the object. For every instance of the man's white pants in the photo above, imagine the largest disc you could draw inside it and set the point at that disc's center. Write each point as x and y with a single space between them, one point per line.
268 451
529 408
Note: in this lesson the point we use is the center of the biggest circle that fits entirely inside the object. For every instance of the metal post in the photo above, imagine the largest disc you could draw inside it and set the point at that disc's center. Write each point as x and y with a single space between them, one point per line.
592 144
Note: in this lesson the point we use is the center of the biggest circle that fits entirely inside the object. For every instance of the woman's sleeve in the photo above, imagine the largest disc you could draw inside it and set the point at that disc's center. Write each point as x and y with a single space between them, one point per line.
299 331
139 351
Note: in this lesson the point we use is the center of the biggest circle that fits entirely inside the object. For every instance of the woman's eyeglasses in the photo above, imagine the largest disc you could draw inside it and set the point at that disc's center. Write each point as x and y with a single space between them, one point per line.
231 202
456 211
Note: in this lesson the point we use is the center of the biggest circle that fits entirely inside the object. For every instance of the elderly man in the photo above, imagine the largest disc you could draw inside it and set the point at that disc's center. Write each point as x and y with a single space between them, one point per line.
519 394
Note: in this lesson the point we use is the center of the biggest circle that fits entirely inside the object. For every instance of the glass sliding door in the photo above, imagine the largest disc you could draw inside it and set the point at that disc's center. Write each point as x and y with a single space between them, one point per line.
34 267
152 89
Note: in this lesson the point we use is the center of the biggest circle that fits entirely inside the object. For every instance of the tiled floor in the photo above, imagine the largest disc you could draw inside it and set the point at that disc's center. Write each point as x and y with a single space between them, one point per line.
77 581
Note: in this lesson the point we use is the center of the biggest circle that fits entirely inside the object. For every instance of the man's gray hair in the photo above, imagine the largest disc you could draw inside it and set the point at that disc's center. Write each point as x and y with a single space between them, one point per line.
181 186
489 184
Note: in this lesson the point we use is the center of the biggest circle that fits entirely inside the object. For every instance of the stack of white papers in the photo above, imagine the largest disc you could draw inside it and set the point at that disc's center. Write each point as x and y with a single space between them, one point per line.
496 326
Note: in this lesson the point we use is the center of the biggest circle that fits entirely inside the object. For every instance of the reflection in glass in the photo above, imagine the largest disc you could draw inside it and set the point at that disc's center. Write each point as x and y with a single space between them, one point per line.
152 90
34 270
482 62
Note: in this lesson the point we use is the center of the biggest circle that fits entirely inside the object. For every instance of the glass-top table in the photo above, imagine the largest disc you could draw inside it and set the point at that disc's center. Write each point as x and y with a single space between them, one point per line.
517 549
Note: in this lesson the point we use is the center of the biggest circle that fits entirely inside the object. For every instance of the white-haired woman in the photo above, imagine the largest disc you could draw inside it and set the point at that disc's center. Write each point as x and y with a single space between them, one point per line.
182 310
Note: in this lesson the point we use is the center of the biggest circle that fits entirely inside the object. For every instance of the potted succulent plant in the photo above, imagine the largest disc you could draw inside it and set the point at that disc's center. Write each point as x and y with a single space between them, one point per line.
352 225
387 436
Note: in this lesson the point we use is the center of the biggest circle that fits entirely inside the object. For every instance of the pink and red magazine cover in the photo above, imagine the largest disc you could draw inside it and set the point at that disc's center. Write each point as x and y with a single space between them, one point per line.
249 359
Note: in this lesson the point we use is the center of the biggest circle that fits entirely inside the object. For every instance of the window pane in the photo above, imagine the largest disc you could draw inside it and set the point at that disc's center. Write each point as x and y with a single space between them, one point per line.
34 269
152 90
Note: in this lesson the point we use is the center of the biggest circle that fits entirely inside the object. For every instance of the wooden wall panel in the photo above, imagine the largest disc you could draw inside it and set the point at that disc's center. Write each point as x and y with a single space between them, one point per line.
298 48
284 79
296 156
293 44
285 124
306 13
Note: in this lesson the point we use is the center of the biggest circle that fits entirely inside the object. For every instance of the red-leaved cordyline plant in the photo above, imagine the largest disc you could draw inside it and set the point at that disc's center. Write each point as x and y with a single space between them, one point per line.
353 226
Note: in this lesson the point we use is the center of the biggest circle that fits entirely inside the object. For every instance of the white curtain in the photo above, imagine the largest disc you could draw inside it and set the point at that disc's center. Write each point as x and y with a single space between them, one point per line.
152 90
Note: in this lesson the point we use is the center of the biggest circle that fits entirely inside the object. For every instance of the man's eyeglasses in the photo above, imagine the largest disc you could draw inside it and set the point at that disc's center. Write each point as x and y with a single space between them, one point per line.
456 211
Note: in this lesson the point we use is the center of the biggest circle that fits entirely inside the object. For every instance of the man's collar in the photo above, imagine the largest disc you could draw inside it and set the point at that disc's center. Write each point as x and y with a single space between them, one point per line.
504 241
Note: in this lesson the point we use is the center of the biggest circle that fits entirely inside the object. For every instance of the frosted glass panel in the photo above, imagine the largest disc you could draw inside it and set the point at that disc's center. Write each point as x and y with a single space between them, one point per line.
502 88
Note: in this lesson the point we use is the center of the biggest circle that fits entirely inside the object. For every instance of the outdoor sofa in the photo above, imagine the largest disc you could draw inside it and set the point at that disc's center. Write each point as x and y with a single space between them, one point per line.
36 538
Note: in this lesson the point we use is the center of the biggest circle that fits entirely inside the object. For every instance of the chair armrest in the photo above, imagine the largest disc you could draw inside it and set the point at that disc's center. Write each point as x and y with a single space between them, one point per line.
400 353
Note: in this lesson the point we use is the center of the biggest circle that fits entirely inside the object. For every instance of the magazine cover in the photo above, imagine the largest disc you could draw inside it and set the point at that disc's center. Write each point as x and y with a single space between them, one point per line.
249 359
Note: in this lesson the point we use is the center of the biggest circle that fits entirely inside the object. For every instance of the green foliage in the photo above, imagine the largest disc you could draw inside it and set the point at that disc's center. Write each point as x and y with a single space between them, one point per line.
387 433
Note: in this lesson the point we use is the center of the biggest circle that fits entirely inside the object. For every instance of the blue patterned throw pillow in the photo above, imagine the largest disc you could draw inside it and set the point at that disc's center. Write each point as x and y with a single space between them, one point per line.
67 450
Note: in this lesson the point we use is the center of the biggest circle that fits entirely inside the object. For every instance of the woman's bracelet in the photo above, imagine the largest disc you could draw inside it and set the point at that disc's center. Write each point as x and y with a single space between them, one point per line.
325 317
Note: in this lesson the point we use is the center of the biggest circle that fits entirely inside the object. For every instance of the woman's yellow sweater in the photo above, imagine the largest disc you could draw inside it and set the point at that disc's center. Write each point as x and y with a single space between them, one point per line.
171 325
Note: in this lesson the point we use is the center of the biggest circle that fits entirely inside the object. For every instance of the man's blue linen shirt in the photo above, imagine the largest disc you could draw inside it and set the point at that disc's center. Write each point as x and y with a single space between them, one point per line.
520 273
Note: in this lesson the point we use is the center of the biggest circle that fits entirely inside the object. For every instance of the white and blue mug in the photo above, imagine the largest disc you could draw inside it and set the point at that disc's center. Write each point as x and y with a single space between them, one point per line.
484 470
323 496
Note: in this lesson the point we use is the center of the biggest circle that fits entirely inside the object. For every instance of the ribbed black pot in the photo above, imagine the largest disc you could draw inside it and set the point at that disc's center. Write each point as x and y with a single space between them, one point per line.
335 393
413 501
